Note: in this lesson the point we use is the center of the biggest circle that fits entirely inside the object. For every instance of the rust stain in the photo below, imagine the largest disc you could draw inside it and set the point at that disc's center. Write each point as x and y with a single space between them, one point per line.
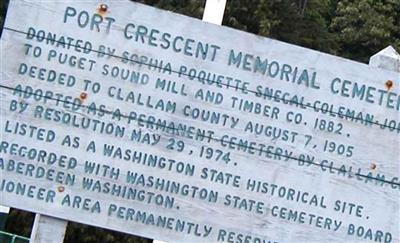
83 96
61 188
373 166
102 9
389 84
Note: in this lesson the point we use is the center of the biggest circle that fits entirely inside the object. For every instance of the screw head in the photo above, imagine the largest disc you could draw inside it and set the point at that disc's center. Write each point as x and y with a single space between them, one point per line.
389 84
83 95
103 8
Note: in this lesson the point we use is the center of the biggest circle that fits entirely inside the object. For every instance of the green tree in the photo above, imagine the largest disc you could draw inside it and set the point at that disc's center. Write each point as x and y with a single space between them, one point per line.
3 10
301 22
192 8
364 27
240 14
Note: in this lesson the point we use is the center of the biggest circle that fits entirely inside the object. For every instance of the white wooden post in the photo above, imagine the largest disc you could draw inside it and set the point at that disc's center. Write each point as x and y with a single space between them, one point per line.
48 229
387 59
3 216
213 13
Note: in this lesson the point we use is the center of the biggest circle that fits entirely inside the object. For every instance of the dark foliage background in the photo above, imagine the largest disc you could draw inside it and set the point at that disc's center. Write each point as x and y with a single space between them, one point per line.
354 29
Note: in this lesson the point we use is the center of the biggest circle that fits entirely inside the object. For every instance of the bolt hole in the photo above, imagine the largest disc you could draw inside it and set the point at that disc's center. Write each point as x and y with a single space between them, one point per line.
83 96
389 84
103 8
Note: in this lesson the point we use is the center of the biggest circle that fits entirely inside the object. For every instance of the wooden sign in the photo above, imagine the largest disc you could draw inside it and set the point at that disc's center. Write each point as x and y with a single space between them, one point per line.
130 118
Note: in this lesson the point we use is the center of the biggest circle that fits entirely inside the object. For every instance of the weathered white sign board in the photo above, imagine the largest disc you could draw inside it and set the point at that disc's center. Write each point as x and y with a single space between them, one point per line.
126 117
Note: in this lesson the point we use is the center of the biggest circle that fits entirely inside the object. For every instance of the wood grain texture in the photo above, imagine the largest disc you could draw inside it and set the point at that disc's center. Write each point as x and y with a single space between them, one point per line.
372 144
